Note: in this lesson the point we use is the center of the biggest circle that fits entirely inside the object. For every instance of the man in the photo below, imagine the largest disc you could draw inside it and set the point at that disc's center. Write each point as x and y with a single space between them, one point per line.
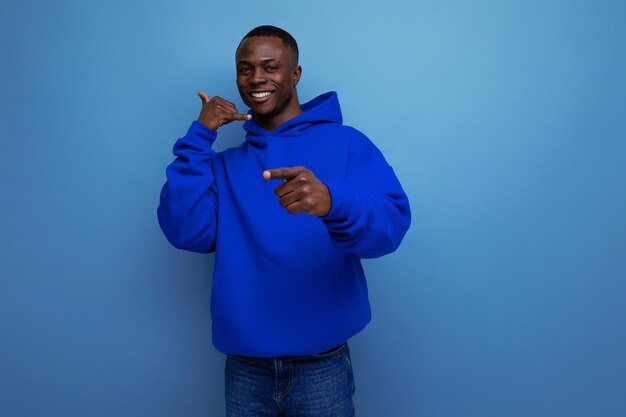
289 214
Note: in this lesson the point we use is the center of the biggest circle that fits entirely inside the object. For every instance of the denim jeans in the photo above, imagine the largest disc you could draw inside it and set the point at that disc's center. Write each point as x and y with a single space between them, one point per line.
319 385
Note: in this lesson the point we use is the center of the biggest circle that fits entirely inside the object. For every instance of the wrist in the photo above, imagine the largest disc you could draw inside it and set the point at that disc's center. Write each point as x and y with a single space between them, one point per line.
210 124
202 131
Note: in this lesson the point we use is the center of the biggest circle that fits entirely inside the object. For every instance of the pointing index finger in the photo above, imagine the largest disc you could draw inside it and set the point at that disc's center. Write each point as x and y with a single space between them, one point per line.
281 173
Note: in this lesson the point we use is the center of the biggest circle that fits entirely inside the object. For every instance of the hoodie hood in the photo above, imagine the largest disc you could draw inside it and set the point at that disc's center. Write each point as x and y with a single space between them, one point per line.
322 109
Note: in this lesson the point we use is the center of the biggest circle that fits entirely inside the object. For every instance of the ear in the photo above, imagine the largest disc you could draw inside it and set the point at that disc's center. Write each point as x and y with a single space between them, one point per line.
296 75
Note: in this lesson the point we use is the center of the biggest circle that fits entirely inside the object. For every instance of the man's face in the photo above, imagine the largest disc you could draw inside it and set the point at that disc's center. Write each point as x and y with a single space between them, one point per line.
266 79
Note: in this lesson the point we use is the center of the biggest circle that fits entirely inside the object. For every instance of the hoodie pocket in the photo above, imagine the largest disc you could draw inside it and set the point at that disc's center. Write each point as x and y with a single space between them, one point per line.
274 310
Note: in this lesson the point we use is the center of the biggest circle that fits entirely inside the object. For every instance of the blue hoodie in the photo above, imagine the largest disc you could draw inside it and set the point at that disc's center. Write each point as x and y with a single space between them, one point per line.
284 284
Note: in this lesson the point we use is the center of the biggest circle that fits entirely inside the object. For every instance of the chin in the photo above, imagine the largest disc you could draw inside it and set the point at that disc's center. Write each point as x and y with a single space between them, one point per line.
261 111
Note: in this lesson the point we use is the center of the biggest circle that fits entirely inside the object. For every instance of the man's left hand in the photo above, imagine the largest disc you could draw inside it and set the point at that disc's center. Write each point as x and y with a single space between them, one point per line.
301 192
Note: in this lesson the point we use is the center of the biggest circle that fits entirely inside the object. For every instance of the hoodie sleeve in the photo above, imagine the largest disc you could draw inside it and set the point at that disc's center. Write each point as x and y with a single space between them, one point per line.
187 211
370 212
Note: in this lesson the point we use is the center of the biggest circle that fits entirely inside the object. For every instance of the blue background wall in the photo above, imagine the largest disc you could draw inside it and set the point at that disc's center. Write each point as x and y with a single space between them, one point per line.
504 120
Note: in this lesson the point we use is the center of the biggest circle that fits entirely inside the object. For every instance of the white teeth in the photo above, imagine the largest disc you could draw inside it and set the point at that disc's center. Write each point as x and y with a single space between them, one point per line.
261 95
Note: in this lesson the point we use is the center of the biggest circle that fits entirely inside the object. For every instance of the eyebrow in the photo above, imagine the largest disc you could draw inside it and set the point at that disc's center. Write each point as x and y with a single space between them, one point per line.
263 61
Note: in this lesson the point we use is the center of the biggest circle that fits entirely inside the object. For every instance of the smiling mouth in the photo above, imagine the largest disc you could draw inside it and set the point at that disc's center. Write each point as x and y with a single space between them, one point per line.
262 94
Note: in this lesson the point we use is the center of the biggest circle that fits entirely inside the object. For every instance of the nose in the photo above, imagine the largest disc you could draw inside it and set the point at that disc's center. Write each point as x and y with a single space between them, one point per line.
257 76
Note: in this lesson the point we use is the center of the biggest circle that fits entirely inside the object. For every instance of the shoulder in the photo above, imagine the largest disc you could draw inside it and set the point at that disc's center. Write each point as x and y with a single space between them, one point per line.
362 152
339 132
359 142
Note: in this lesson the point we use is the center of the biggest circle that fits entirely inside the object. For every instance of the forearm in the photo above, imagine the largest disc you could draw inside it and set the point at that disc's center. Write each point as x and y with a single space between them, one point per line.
188 202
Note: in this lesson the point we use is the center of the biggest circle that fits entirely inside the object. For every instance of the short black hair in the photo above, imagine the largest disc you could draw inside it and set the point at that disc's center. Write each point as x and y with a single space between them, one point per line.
273 31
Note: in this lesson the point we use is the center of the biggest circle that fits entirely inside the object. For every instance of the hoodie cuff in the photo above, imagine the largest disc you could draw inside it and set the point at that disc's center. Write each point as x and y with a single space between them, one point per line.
199 130
343 202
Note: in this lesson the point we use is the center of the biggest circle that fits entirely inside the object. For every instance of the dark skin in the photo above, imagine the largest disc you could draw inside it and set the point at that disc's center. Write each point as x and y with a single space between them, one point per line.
267 75
265 65
301 192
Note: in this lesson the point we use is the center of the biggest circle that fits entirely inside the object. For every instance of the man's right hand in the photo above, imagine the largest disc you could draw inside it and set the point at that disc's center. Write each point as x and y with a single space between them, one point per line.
217 112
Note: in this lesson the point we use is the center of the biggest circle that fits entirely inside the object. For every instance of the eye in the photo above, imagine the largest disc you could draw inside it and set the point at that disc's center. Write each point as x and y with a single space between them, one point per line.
270 69
243 70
